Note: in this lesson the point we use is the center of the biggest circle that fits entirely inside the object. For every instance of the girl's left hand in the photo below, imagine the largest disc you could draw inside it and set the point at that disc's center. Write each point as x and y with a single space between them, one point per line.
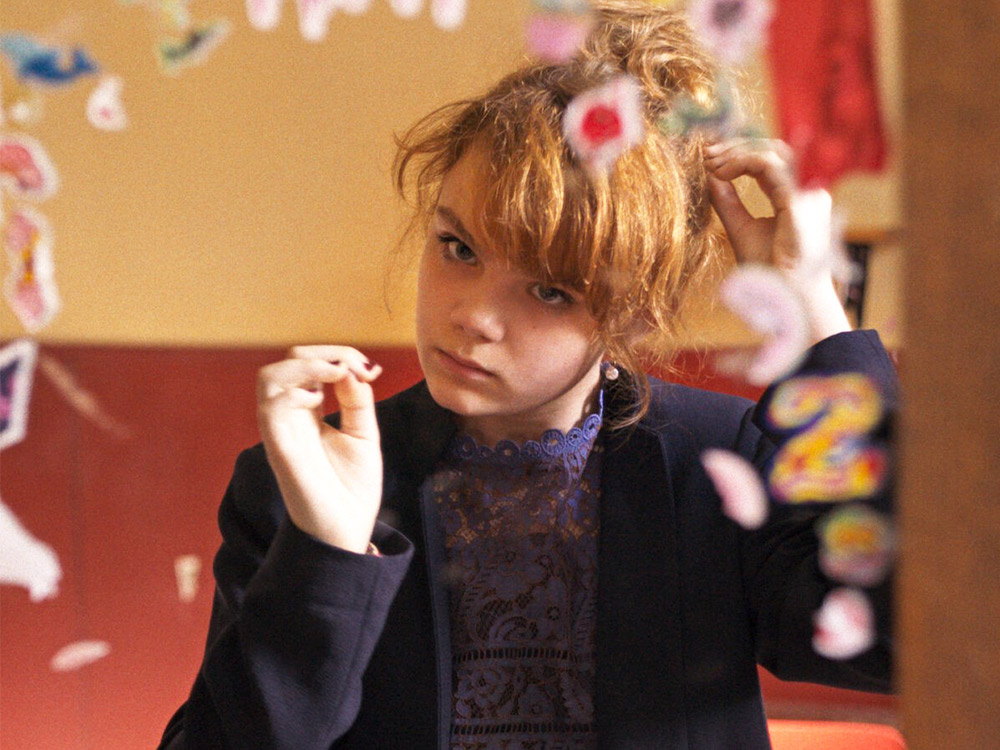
795 240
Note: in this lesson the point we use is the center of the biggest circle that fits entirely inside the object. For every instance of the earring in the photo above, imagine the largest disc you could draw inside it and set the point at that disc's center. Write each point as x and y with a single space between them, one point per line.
610 372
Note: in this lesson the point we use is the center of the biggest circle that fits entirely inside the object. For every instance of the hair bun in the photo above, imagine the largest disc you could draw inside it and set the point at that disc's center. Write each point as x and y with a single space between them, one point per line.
654 45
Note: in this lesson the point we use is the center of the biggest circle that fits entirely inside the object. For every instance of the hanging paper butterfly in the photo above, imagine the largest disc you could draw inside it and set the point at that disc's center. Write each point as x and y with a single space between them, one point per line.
39 63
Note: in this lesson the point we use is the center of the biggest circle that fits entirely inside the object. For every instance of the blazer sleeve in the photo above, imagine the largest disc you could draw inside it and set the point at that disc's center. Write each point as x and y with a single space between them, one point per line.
782 579
293 626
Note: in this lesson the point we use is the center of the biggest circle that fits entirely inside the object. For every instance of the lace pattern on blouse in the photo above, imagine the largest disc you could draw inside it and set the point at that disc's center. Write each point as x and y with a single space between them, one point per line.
520 525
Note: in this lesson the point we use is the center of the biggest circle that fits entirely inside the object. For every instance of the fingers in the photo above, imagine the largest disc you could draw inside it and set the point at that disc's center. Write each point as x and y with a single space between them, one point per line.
728 205
297 382
769 162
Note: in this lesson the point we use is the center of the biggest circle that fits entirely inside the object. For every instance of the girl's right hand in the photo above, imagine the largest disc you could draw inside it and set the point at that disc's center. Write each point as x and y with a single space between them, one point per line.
331 479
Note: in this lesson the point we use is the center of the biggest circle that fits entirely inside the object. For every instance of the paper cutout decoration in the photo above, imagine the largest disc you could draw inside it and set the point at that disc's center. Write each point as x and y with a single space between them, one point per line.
830 459
187 568
30 287
731 29
174 55
25 561
856 545
744 497
25 168
406 8
767 303
556 29
264 15
719 119
39 63
81 400
448 14
104 107
844 625
17 368
314 18
79 654
604 122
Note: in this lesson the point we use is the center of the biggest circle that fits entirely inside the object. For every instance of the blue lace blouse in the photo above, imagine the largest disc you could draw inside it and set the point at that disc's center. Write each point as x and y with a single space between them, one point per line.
520 525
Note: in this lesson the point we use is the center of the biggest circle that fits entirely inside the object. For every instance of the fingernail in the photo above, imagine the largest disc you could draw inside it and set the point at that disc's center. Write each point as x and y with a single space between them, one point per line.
334 362
370 366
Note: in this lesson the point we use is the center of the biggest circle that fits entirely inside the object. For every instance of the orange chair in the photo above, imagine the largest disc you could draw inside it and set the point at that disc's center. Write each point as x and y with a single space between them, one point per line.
833 735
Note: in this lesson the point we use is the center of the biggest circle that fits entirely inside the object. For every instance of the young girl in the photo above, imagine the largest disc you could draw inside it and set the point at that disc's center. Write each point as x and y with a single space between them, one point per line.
553 569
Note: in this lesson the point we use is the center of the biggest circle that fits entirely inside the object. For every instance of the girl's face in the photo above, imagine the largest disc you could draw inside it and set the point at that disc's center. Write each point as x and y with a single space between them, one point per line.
509 355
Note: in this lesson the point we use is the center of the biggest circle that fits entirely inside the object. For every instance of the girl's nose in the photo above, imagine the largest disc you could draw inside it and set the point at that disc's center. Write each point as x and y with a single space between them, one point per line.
478 314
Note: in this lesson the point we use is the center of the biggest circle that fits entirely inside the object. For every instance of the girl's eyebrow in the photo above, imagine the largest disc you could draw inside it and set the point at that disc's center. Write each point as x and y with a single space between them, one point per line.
452 218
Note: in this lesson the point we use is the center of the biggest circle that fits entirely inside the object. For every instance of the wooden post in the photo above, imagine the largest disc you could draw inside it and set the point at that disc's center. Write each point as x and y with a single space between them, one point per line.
949 581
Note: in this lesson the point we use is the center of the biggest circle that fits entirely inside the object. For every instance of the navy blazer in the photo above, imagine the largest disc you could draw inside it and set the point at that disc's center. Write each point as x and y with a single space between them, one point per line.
311 646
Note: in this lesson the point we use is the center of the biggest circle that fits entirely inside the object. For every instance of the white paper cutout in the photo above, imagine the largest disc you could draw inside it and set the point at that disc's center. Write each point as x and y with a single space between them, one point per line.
602 123
354 7
17 368
79 654
744 498
448 14
845 625
314 18
26 561
765 301
407 8
731 29
264 15
104 106
187 569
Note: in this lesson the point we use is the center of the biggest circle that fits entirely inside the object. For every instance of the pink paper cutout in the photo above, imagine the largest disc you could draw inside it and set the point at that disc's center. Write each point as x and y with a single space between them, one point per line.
857 545
556 37
25 168
604 122
744 497
844 625
79 654
30 287
765 302
104 106
26 561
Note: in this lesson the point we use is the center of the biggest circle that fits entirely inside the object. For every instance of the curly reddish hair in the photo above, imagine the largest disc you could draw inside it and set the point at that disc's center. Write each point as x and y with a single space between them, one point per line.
630 240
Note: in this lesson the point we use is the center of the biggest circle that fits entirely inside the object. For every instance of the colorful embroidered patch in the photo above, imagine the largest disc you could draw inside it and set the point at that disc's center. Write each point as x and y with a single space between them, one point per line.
26 561
25 168
765 301
744 498
856 545
604 122
17 368
844 625
830 459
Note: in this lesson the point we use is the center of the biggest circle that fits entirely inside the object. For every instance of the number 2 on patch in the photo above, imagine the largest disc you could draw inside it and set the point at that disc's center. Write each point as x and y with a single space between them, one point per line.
830 459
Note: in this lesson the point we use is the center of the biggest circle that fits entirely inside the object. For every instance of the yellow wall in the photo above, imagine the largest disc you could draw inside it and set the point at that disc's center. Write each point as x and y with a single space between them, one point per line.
249 202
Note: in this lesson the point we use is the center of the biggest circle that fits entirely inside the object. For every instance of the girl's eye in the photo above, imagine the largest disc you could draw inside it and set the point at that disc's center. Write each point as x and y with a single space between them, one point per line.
551 295
455 249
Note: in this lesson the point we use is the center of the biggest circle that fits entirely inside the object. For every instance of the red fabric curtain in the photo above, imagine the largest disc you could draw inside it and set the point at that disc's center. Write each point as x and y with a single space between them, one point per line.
823 69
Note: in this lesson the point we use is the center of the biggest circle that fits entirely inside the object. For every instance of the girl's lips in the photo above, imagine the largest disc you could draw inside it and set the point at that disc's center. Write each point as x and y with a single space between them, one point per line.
460 366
